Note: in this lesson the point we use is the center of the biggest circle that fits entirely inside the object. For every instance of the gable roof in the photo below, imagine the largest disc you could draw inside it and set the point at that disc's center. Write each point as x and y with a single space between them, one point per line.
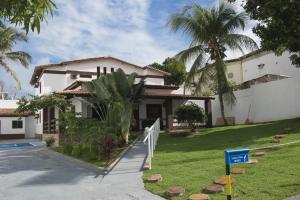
253 53
39 69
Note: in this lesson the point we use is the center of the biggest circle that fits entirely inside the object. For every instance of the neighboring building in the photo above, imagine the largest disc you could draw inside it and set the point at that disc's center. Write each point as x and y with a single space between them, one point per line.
269 89
67 78
12 125
258 64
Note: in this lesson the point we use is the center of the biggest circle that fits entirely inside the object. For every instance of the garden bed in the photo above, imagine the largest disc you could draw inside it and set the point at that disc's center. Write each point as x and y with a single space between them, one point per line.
85 154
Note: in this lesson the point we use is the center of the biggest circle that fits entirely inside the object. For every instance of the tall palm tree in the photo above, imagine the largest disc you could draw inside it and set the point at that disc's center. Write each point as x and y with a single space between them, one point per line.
118 92
8 38
212 31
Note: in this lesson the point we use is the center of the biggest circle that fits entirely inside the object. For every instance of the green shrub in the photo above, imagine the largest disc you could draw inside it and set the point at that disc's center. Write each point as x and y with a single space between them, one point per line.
67 149
89 153
77 150
191 114
50 141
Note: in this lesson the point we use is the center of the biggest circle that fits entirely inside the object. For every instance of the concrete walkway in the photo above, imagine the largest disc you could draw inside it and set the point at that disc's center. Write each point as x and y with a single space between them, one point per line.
38 173
126 177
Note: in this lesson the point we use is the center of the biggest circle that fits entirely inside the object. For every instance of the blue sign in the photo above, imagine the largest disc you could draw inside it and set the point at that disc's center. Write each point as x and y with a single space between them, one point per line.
236 156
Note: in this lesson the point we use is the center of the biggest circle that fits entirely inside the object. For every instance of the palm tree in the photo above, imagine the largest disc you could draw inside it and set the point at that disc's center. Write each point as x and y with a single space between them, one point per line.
116 95
212 31
8 38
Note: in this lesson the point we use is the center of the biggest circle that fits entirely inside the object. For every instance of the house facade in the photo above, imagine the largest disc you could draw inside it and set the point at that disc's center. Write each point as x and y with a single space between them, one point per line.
68 78
12 125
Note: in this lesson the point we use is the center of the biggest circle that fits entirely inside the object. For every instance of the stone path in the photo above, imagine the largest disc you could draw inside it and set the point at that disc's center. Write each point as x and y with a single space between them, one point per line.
38 173
293 198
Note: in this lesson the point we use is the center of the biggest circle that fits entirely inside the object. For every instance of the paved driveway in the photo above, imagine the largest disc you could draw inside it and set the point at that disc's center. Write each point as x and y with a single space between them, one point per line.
40 174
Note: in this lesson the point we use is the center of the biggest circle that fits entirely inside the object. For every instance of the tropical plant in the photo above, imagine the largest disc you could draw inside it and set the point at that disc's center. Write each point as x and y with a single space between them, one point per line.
213 31
118 92
278 25
191 114
8 37
37 103
27 13
175 68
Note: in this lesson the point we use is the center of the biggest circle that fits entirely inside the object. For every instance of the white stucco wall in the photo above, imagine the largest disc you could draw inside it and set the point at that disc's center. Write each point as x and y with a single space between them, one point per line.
275 100
6 125
8 104
30 128
280 65
235 68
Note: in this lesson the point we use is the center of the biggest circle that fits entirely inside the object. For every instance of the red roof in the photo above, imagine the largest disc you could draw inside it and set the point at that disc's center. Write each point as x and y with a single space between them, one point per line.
10 112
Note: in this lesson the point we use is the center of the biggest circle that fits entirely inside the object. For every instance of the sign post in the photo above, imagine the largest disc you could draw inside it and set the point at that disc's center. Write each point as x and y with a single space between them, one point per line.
233 157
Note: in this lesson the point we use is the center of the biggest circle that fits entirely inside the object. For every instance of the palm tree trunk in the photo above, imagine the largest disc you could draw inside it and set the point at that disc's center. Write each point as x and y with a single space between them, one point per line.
222 109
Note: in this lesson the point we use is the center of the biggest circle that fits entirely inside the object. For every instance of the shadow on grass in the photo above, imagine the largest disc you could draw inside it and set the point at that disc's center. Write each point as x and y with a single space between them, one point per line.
221 138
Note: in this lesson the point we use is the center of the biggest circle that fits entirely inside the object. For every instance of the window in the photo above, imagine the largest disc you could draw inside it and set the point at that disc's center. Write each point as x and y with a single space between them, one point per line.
17 124
230 75
40 85
104 70
112 70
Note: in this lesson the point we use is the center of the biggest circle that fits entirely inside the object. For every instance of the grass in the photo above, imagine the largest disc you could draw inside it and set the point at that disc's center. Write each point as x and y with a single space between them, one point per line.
195 161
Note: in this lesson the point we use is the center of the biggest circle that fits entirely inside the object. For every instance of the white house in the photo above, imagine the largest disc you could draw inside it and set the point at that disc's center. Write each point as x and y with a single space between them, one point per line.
66 78
270 89
12 125
258 64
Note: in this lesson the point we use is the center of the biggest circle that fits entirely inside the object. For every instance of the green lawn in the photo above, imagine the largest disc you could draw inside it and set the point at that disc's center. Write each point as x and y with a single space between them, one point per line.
195 161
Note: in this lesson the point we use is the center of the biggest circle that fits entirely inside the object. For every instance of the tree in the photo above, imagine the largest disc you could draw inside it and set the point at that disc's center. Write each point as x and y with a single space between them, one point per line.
175 68
8 37
191 114
118 92
278 25
26 13
212 31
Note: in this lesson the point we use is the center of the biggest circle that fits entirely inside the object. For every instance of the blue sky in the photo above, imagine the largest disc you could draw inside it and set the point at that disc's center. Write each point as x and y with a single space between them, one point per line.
133 30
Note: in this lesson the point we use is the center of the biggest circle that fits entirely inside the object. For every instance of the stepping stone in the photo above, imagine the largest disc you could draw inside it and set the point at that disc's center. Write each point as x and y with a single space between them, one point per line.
146 166
279 136
259 154
238 170
154 178
199 197
213 189
175 191
222 180
275 141
252 161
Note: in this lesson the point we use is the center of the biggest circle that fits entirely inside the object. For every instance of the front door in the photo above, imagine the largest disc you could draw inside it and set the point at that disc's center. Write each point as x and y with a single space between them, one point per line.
153 111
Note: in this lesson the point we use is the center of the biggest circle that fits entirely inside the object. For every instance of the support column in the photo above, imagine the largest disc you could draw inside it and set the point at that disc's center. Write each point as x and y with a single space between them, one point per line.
169 114
208 112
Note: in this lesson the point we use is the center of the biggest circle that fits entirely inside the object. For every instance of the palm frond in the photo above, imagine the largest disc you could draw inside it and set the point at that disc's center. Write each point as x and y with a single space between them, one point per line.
21 56
12 72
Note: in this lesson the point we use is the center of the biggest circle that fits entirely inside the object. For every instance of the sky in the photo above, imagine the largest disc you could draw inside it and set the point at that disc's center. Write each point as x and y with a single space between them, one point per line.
133 30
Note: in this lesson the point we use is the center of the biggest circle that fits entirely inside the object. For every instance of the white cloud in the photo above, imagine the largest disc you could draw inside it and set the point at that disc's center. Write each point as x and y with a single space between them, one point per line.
95 28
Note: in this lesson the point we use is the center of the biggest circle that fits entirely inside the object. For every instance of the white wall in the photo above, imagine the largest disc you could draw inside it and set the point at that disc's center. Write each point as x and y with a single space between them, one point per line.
30 129
8 103
275 100
236 69
6 125
279 65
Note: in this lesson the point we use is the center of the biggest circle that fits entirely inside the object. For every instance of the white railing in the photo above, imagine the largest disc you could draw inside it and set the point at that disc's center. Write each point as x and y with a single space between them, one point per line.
151 137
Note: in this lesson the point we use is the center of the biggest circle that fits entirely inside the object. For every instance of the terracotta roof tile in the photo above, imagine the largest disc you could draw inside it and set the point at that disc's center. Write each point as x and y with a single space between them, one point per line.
10 112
